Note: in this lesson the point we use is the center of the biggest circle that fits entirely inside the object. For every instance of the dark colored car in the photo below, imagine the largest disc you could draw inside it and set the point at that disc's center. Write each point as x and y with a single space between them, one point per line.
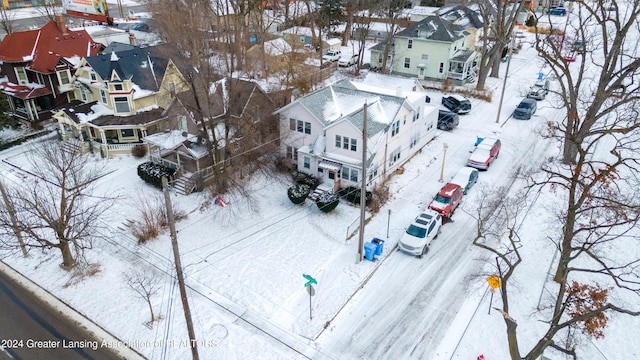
525 109
447 120
456 103
558 11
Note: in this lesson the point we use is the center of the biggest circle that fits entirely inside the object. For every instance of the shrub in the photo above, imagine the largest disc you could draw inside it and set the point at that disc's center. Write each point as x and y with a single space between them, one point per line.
304 178
531 21
352 194
139 151
153 173
327 201
298 193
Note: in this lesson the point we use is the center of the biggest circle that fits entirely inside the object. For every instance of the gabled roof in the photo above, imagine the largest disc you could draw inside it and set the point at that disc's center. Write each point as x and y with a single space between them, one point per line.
24 92
97 114
45 47
343 101
136 64
462 15
434 28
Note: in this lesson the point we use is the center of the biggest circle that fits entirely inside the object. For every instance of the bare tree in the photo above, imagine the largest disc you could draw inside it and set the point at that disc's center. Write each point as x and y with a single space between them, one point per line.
48 8
55 208
7 21
145 284
391 9
499 19
574 305
600 92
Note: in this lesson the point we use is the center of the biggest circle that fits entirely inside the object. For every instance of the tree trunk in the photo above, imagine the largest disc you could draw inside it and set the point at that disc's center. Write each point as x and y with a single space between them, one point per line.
153 317
67 257
567 237
495 64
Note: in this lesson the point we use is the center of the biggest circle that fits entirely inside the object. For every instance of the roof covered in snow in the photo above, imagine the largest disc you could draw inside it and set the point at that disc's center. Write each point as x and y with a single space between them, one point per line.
434 28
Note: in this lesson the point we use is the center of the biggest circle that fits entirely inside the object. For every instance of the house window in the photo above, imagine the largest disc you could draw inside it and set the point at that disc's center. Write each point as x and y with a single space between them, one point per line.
40 78
292 153
300 126
379 58
21 74
441 69
63 77
338 141
307 162
71 95
395 156
414 139
373 174
349 174
122 104
183 123
410 44
346 143
117 87
103 96
354 144
424 57
127 133
407 63
93 76
172 88
83 94
395 128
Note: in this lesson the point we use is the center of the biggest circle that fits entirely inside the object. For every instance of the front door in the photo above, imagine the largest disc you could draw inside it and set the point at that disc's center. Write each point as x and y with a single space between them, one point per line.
329 178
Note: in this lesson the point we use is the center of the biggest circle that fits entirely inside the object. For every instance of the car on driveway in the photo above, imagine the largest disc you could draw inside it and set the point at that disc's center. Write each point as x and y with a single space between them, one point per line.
558 11
484 153
456 103
424 228
447 120
466 177
332 55
447 200
539 90
348 61
525 109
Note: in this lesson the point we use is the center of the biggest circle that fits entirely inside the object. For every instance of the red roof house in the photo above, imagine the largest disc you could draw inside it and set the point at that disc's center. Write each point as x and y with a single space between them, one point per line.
36 68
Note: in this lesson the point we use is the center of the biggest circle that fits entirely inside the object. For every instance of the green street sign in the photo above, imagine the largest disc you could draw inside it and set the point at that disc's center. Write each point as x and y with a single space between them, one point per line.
310 279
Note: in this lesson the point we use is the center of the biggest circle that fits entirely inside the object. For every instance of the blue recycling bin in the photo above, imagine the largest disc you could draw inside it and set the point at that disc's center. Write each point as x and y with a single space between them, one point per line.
379 243
369 251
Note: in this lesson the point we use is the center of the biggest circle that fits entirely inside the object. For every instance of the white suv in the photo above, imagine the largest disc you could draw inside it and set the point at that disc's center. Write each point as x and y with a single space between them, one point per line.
424 228
332 55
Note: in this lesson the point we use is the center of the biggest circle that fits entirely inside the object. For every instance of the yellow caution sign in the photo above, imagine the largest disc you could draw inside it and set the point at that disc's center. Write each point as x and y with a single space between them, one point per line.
494 281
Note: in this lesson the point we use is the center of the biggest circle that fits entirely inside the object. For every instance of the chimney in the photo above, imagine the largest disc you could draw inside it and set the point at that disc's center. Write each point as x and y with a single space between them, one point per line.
61 25
132 39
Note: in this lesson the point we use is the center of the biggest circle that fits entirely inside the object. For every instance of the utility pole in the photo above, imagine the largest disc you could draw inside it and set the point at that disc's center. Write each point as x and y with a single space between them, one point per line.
14 222
363 189
176 255
504 83
444 155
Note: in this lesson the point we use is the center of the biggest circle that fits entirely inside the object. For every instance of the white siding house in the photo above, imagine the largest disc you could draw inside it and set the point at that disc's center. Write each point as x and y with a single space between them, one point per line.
321 133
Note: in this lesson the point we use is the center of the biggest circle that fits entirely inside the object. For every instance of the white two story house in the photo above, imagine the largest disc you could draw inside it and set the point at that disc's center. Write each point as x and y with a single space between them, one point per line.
321 133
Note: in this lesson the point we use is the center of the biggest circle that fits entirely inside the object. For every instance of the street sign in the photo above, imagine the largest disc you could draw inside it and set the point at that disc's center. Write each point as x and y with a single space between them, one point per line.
311 290
310 280
494 281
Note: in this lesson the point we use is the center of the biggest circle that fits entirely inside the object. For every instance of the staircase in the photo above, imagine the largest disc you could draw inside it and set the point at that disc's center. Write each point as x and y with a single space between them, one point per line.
319 191
71 146
183 185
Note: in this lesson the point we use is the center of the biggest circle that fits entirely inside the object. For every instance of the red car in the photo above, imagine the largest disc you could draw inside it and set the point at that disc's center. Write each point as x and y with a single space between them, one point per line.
447 200
571 57
485 152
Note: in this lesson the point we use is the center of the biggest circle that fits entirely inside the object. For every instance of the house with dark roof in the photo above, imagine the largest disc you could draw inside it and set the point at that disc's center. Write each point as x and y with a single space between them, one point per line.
37 68
321 134
433 49
122 95
234 121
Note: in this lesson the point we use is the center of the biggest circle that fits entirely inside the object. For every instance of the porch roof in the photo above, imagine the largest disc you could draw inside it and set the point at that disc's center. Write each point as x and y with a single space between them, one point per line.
169 140
462 56
24 92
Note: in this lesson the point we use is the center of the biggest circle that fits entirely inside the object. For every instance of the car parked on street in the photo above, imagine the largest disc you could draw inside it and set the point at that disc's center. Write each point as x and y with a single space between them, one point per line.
332 55
456 103
539 90
447 120
465 178
353 59
485 152
570 57
526 109
422 230
558 11
447 200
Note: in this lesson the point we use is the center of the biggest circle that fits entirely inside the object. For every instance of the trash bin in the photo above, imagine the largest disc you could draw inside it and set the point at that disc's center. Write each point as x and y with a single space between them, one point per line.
379 243
369 251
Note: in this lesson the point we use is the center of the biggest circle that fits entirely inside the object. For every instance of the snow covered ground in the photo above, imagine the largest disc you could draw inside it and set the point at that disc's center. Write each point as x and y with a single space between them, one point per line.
244 262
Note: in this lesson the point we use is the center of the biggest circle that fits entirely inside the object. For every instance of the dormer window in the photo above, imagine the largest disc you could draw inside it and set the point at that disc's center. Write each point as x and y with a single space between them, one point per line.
93 76
117 87
21 74
63 77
